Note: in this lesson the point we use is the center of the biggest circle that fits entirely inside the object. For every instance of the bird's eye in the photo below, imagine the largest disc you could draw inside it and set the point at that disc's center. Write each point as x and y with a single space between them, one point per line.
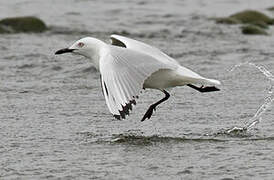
80 44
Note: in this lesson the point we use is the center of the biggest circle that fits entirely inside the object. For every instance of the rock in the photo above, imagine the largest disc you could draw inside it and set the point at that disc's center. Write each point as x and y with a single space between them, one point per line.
227 20
261 24
251 16
3 30
270 9
257 21
22 24
253 30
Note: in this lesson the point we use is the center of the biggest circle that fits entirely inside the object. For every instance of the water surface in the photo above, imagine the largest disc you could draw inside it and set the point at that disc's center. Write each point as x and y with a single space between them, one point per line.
55 123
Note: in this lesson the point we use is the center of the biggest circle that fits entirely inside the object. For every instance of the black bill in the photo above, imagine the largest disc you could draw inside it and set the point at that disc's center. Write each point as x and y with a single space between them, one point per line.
65 50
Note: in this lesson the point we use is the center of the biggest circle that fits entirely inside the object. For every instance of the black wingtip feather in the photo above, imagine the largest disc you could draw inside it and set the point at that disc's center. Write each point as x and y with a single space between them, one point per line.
117 116
122 114
125 109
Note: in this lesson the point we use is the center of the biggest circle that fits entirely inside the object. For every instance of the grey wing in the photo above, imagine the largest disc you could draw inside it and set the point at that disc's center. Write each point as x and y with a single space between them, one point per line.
123 73
161 57
142 48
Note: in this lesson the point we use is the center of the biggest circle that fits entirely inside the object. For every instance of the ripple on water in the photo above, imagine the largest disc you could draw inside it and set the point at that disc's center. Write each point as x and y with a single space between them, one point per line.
149 140
142 140
138 139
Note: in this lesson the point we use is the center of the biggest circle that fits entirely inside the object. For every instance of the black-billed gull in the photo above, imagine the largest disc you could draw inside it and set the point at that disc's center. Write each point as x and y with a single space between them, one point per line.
127 66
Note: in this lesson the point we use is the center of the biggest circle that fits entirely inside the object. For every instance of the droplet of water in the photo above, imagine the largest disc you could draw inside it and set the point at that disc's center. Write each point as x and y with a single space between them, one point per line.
267 103
235 130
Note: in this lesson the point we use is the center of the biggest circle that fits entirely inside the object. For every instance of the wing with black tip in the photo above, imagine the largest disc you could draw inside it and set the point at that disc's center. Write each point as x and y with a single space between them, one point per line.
123 73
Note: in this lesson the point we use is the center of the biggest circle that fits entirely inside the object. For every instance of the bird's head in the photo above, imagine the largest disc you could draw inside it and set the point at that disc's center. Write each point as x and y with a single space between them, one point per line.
87 47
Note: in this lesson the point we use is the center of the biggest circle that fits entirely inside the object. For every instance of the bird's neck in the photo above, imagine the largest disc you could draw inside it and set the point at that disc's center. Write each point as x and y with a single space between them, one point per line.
95 52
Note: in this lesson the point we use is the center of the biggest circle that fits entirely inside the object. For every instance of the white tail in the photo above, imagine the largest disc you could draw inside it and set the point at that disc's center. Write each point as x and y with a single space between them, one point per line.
212 81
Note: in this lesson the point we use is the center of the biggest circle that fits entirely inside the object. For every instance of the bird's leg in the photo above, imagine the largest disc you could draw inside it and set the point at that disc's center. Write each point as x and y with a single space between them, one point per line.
203 89
153 106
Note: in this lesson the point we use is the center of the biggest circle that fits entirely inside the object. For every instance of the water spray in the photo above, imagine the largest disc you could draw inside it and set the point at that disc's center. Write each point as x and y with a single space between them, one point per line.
262 109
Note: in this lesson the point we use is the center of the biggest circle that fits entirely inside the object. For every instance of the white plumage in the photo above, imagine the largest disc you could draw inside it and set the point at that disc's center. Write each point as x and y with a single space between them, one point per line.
127 66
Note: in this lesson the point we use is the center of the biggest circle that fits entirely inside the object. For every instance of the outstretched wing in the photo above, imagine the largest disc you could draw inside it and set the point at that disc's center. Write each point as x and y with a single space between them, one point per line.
161 57
123 72
142 48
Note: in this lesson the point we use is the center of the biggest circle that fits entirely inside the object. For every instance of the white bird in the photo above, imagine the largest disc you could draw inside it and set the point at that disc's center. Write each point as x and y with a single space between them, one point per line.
127 66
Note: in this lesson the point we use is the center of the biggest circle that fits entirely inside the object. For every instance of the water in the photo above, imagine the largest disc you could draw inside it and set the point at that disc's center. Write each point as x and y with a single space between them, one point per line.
262 109
55 123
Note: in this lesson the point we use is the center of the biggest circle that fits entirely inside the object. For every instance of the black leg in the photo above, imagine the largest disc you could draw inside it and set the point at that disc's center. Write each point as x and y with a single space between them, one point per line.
204 88
153 106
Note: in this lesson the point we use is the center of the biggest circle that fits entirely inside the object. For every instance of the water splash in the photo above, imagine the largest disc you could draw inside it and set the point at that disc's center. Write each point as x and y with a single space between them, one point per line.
262 109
